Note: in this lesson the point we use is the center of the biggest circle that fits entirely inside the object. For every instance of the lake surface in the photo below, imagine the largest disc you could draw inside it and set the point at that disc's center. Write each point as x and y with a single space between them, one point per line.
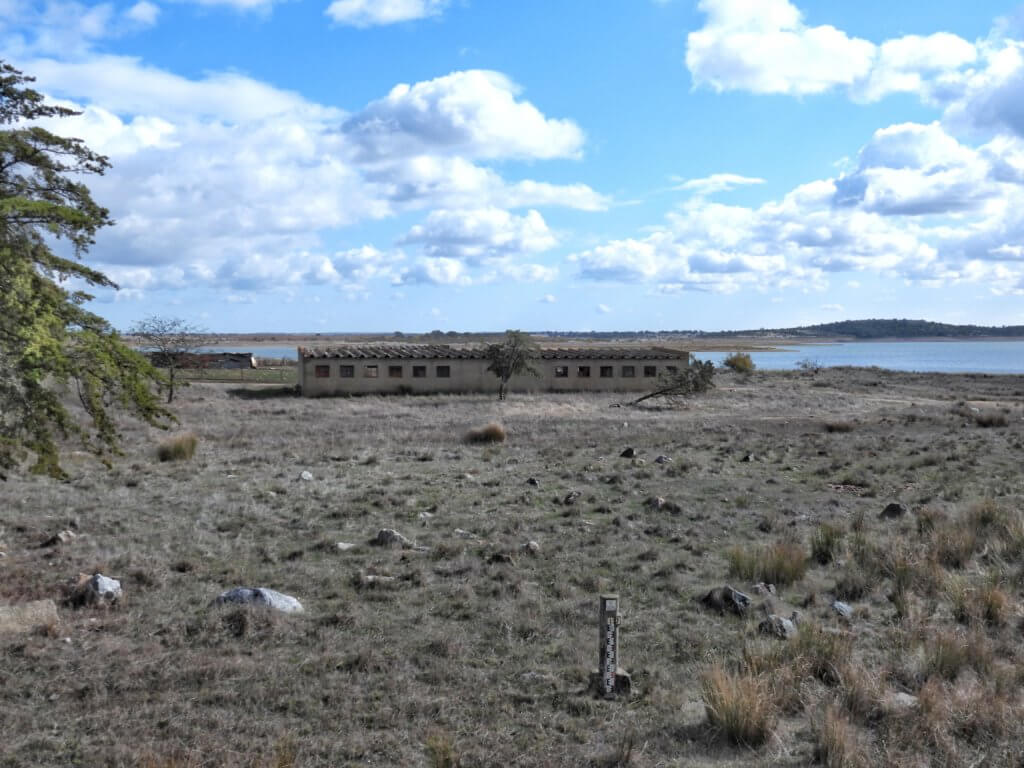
939 356
933 356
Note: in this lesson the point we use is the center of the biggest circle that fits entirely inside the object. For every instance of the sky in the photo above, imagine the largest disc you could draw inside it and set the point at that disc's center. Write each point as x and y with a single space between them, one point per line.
476 165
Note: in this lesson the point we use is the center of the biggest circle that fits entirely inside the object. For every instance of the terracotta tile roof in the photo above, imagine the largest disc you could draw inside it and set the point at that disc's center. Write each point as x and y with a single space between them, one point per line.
478 352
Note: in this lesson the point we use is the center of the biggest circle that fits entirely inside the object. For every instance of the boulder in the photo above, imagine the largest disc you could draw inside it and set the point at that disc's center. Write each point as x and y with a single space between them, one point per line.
844 610
663 460
61 537
95 590
533 481
260 596
892 511
726 598
629 453
27 617
764 589
778 626
571 497
344 546
531 548
306 475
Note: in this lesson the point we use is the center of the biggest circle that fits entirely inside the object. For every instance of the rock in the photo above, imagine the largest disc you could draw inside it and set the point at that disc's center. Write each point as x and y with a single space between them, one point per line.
571 497
306 475
898 701
27 617
260 596
655 502
531 548
629 453
389 537
533 481
345 546
747 458
892 511
623 683
658 502
61 537
764 589
663 460
844 610
501 557
95 590
465 534
778 626
726 598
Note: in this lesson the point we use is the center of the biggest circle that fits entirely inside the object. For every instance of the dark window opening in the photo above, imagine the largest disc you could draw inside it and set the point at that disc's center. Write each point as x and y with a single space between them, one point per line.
347 371
394 371
323 371
628 371
583 372
371 371
419 371
444 372
650 371
561 371
607 371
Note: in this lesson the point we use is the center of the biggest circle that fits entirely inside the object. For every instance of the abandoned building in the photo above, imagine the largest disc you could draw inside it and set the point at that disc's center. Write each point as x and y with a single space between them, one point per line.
441 368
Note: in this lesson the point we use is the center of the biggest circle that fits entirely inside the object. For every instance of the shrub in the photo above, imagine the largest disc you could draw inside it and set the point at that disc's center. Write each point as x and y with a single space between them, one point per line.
990 419
738 705
855 583
825 653
954 545
826 542
782 563
178 448
836 743
838 426
492 433
740 362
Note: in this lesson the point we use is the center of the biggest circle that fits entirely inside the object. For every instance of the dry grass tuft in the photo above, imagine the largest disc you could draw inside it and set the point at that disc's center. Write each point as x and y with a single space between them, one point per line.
782 563
838 426
441 751
492 433
739 705
826 543
178 448
837 745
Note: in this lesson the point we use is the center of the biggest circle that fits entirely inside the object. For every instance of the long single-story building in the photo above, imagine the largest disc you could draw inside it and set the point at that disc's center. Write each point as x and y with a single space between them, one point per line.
440 368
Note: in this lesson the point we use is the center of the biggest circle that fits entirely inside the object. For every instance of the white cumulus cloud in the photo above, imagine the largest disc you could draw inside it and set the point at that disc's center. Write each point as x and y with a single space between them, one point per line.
370 13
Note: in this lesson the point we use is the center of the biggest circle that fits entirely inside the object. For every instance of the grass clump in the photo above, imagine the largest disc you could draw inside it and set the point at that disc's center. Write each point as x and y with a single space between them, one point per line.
740 362
491 433
834 427
826 542
837 744
739 705
781 563
178 448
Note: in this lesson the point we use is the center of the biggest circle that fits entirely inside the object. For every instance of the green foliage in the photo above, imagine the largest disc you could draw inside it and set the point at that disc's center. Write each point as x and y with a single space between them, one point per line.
50 344
511 358
178 448
169 340
696 377
740 362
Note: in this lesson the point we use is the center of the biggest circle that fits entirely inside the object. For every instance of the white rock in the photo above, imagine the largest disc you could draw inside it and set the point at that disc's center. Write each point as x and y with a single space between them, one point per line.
531 547
261 596
96 589
306 475
345 546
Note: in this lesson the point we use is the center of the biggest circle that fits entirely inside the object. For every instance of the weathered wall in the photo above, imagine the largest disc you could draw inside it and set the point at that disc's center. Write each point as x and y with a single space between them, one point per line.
473 376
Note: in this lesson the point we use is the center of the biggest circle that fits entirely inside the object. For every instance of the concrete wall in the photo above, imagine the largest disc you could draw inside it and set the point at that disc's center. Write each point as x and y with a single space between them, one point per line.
472 376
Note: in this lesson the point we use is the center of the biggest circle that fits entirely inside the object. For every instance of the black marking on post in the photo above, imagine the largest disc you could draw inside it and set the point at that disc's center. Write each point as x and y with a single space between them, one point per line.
608 643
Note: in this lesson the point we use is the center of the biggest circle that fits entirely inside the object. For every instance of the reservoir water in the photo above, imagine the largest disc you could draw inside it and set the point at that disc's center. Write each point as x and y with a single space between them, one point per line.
938 356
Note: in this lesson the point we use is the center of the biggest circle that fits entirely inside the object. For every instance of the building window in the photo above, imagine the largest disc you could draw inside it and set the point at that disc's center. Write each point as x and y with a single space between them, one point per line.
583 372
346 371
607 371
370 371
323 371
650 371
419 371
629 372
444 372
394 371
561 371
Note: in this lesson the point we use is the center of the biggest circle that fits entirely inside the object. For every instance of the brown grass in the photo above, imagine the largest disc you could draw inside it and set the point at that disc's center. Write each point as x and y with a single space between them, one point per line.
738 705
491 433
781 563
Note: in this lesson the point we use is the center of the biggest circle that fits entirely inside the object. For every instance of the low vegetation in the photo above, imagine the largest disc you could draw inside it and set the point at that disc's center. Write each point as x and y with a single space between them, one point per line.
178 447
471 641
739 362
491 433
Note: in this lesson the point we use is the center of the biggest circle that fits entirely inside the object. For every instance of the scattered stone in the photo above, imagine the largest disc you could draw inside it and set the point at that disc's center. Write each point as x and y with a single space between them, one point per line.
623 683
531 548
629 453
892 511
364 579
501 557
260 596
424 515
778 626
844 610
656 502
764 589
306 475
95 590
571 497
28 617
533 481
345 546
663 460
465 534
726 598
62 537
747 458
898 701
389 537
659 502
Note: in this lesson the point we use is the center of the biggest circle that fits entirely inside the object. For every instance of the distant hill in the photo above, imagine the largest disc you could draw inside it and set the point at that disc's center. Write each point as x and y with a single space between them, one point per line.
900 329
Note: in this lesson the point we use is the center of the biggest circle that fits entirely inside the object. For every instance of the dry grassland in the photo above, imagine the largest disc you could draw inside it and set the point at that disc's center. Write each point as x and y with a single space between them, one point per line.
476 651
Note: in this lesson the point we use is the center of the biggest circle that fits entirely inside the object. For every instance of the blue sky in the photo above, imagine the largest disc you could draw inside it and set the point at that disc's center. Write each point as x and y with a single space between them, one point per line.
381 165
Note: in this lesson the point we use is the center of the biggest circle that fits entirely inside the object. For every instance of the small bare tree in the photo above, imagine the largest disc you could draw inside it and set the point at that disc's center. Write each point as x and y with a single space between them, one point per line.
169 341
511 358
696 377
